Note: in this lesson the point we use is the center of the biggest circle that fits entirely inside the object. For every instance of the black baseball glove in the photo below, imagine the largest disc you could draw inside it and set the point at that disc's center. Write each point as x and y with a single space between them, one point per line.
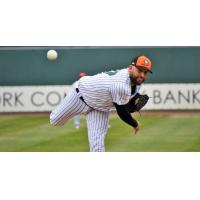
137 103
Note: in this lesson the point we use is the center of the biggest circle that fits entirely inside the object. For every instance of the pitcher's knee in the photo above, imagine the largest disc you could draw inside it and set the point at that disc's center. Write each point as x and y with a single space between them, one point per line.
54 121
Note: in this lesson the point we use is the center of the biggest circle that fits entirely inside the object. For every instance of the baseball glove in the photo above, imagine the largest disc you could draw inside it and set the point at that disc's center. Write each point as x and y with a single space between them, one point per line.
137 102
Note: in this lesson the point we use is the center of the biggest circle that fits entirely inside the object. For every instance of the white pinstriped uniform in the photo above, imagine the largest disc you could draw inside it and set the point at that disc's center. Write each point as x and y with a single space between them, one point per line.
99 92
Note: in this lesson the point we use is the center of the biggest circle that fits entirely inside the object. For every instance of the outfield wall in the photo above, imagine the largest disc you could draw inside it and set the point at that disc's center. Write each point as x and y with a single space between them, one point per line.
46 98
29 65
31 82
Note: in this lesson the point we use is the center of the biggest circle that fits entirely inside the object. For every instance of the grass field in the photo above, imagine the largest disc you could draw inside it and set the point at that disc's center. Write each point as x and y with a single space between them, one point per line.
159 133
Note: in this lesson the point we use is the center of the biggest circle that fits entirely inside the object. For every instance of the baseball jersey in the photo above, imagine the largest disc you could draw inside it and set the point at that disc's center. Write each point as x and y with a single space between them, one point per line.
102 90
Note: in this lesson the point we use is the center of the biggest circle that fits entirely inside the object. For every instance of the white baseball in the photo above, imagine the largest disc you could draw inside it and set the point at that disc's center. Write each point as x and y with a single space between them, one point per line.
52 55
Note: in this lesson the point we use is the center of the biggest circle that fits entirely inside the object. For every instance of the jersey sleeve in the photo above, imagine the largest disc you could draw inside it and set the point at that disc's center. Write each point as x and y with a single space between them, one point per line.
120 93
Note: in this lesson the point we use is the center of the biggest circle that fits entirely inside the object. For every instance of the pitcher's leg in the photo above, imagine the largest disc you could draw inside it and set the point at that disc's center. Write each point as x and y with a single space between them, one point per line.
70 106
97 123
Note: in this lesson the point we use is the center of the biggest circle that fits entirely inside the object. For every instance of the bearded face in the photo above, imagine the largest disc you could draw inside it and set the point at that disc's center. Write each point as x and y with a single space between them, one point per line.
138 75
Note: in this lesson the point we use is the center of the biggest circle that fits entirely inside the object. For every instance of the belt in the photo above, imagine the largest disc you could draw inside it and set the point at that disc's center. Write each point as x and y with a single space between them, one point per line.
82 99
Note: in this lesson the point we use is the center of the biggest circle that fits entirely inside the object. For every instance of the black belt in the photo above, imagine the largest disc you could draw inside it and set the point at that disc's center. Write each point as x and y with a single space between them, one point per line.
82 99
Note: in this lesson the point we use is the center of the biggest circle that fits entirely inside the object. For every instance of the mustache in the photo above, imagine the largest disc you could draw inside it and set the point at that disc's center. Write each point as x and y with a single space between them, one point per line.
141 78
134 80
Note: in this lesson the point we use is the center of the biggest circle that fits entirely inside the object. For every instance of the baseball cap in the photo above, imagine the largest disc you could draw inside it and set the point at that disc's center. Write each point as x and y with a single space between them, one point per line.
142 62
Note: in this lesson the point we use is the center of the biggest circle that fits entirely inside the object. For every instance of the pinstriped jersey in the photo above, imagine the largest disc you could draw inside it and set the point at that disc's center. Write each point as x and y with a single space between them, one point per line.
102 90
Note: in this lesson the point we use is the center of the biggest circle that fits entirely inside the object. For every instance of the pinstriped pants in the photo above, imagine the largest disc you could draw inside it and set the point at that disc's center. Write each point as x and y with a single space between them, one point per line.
97 121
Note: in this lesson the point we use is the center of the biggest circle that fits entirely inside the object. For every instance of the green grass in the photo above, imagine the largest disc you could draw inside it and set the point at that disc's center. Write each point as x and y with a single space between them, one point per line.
176 133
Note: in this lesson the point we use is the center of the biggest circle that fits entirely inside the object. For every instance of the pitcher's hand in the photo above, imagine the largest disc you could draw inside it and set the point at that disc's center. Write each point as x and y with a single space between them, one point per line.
136 129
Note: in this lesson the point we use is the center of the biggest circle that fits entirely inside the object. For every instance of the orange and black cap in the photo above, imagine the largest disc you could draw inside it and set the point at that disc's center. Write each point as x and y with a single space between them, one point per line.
142 62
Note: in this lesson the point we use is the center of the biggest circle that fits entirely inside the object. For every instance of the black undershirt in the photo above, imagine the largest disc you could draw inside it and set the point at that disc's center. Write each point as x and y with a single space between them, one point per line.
133 88
123 112
125 115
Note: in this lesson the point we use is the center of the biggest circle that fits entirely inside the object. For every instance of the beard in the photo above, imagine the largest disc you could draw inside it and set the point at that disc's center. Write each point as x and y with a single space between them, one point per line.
137 80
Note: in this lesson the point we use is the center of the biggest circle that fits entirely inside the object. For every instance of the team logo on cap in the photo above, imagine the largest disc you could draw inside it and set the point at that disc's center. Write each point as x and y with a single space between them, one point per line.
145 62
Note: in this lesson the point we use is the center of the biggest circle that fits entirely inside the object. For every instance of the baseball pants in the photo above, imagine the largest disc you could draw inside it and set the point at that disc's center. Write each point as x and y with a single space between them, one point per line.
97 121
76 121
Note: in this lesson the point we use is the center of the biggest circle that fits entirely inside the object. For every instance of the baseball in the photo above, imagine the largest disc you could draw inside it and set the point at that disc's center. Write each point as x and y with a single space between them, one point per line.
52 55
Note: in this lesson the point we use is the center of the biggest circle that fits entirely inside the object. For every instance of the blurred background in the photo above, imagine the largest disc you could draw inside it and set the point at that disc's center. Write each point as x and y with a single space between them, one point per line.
30 66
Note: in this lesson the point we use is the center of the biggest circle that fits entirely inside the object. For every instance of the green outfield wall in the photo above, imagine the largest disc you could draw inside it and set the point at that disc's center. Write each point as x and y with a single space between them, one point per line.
29 65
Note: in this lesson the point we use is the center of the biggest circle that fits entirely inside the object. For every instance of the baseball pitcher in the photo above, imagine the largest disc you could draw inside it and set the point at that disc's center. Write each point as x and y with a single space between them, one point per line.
94 96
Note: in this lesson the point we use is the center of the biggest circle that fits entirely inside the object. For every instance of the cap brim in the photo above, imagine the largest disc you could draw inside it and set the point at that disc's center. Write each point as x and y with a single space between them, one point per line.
144 68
